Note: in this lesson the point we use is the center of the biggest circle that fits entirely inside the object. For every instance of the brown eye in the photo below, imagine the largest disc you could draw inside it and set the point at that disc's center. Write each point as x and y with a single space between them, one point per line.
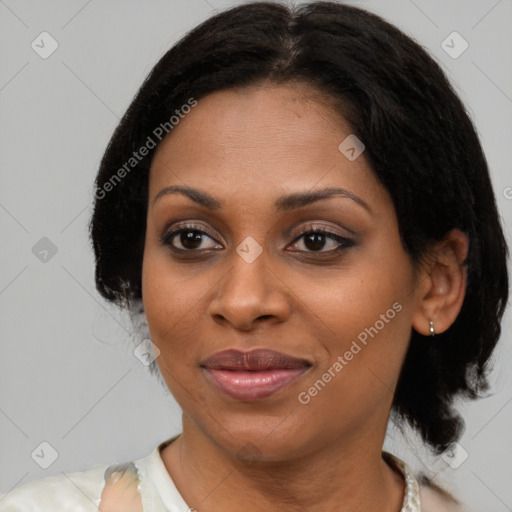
316 240
189 239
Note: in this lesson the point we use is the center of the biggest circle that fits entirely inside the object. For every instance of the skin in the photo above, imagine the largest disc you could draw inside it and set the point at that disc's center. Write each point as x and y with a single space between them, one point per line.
247 147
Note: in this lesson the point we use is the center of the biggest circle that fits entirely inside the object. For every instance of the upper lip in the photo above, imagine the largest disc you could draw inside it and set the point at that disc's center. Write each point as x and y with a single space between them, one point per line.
254 360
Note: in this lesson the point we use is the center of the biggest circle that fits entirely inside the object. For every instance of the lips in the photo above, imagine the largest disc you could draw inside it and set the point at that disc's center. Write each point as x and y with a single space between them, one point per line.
254 375
255 360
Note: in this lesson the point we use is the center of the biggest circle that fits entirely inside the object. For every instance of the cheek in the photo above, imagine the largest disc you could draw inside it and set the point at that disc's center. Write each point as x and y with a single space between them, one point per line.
167 292
367 339
174 302
357 378
166 300
368 316
351 304
167 305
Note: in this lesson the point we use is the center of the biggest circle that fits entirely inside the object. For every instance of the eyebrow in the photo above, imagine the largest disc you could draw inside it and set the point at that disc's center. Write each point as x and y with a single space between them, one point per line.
283 203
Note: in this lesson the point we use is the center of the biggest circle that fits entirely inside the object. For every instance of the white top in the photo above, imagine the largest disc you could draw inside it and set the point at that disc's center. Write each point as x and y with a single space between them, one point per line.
148 481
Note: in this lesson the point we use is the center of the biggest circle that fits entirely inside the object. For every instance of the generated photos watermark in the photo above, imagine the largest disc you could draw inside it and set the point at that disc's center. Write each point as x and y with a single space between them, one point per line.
137 156
304 397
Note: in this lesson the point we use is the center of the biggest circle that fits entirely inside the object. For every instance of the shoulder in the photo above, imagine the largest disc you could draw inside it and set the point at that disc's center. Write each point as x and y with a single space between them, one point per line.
436 499
421 492
78 491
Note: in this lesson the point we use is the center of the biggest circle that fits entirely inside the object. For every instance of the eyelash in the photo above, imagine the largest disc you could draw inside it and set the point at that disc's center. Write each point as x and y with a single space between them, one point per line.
344 242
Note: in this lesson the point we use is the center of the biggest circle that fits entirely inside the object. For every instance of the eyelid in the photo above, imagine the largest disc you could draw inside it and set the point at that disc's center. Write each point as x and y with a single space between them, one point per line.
305 223
311 226
316 226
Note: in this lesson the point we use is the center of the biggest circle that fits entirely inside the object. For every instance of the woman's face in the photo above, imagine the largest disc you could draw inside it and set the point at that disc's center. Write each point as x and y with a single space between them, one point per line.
315 326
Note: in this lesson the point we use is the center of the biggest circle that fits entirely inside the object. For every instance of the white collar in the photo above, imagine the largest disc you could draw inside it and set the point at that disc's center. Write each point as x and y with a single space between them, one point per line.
411 501
152 469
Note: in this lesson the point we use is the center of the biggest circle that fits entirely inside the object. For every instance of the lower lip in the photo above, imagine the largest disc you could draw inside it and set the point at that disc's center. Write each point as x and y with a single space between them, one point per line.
249 386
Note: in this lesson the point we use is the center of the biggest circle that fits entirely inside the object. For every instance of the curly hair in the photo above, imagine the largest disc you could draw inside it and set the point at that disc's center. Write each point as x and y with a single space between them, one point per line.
420 143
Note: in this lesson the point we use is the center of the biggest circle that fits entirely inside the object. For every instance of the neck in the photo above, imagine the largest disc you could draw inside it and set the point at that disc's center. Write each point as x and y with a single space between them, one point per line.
344 476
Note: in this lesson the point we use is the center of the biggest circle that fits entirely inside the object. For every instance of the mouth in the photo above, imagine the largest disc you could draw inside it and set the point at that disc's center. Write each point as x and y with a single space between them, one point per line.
254 375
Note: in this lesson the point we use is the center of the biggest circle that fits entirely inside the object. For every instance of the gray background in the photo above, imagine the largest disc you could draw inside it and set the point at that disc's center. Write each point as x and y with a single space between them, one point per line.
68 375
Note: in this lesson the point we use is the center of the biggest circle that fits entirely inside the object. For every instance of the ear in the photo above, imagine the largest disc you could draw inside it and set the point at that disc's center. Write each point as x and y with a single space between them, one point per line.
443 284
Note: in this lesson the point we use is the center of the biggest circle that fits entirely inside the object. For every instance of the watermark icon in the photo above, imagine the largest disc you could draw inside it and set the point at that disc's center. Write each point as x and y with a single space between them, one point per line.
146 352
454 45
507 192
351 147
151 142
44 455
249 249
44 45
304 397
455 455
44 250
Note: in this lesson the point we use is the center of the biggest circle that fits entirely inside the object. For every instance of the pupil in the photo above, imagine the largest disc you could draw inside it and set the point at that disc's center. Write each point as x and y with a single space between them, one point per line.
315 241
190 239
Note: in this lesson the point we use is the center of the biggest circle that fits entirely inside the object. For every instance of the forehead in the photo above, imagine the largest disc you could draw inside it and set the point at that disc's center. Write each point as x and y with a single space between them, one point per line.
259 140
251 117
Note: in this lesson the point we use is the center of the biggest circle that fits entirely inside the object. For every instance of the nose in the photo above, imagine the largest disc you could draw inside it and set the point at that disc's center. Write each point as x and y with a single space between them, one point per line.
250 293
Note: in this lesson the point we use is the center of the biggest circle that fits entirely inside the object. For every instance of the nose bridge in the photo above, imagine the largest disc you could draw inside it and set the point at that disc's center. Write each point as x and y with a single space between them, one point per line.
249 290
247 279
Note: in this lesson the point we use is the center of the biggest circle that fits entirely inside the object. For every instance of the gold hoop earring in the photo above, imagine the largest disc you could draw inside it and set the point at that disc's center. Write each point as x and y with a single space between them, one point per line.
431 329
